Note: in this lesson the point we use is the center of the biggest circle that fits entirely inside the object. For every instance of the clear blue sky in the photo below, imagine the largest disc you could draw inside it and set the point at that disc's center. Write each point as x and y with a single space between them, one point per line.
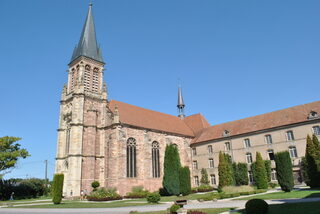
235 59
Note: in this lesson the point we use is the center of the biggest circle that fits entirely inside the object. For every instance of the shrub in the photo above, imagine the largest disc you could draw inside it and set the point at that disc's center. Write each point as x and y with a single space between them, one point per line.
225 171
153 197
241 174
267 165
244 193
194 189
272 185
312 162
185 182
256 206
174 208
171 169
260 174
237 189
204 188
163 192
204 177
137 192
103 194
195 212
284 170
95 185
57 188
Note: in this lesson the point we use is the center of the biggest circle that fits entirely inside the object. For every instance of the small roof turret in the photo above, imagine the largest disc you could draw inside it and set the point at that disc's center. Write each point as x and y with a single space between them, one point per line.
181 104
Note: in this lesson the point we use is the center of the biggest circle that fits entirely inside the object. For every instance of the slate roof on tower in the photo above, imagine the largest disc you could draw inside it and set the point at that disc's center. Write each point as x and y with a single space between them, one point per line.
88 45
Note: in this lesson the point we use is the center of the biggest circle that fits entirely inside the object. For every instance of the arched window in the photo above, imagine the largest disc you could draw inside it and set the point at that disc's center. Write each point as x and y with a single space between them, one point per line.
131 158
155 160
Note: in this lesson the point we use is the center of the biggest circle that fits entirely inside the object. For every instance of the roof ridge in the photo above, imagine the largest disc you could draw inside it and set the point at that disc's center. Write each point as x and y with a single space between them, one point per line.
258 115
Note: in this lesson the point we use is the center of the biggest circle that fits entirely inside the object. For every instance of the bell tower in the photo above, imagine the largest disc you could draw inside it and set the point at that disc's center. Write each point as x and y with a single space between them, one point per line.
80 148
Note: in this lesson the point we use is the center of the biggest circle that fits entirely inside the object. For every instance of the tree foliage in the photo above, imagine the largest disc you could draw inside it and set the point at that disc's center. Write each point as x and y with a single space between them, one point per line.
204 177
260 174
185 182
312 163
284 170
241 174
225 171
57 188
10 152
171 170
267 164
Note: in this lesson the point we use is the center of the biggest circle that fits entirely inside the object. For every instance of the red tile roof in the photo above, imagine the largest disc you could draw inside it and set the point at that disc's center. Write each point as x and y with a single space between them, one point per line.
197 123
145 118
279 118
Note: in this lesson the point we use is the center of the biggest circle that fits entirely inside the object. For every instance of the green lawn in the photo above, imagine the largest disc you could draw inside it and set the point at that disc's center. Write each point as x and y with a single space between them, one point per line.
187 197
208 211
77 204
294 208
282 195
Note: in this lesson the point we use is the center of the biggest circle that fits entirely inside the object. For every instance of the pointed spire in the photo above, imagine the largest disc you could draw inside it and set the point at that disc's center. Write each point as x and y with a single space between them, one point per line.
87 45
180 103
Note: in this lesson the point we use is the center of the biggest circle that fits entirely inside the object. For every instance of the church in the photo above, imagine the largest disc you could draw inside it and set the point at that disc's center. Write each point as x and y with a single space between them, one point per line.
122 145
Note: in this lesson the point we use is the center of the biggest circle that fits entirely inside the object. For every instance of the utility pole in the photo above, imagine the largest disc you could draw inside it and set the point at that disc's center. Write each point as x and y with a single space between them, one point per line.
46 172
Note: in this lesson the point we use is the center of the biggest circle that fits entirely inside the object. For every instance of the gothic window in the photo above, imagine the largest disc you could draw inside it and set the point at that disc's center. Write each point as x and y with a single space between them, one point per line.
95 80
210 150
268 139
293 152
249 157
72 76
247 143
316 130
131 158
155 160
67 141
86 80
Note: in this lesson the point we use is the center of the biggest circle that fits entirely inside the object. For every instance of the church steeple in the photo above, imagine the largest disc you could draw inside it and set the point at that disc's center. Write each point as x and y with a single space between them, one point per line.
87 45
181 104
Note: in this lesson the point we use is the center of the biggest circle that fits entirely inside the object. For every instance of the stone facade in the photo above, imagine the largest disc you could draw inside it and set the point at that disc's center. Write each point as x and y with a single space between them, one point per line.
93 132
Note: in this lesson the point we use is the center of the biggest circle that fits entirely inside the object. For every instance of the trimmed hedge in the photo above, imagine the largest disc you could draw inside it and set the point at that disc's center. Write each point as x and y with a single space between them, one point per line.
57 187
284 170
256 206
153 197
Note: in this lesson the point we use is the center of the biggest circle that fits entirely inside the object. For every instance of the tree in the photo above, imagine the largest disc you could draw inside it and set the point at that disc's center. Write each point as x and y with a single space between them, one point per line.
267 164
260 173
10 152
313 161
95 185
230 168
171 170
242 174
185 182
57 188
304 170
204 177
225 173
284 170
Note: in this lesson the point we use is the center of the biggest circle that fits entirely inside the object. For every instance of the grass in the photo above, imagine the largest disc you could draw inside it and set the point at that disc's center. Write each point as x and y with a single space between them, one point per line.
208 211
187 197
292 208
307 193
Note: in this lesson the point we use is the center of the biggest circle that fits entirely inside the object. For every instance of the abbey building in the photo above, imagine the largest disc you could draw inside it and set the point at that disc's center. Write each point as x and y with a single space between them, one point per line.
122 145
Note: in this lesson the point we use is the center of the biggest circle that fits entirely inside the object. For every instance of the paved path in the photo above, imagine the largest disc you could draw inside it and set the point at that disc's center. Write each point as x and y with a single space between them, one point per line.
149 208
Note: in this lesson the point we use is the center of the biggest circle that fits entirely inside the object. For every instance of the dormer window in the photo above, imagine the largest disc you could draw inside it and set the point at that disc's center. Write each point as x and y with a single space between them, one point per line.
313 115
226 133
